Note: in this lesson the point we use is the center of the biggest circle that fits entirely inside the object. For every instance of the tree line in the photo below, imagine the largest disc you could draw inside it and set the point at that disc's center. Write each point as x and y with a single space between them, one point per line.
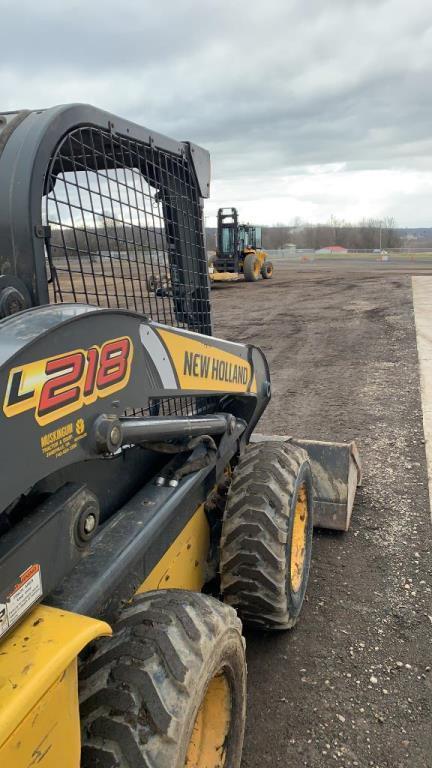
368 234
110 238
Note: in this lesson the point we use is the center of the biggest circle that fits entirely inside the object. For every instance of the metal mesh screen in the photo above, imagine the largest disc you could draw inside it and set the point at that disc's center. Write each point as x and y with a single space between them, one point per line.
125 231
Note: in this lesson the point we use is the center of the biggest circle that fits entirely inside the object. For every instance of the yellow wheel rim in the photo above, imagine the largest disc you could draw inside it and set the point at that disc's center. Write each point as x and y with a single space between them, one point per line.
211 727
298 540
257 268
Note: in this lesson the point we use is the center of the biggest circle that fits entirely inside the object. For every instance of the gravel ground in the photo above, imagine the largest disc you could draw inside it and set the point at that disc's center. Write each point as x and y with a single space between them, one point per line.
351 685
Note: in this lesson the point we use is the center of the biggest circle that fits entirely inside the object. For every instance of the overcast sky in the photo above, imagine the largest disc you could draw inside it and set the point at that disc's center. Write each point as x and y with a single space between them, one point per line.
310 108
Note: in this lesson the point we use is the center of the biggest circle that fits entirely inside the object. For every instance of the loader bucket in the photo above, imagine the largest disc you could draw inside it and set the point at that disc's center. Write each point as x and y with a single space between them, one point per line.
336 473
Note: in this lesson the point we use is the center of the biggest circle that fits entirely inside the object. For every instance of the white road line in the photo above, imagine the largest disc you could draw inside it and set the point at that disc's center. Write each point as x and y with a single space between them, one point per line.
422 299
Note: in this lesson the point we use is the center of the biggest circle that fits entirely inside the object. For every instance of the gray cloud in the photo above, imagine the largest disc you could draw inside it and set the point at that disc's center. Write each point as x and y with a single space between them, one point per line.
271 87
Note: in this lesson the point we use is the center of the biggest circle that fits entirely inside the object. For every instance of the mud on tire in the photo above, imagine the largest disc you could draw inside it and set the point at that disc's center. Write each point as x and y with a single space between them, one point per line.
144 692
266 538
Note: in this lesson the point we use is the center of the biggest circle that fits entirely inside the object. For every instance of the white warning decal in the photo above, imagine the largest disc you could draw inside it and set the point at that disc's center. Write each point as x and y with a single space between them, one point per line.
25 593
4 622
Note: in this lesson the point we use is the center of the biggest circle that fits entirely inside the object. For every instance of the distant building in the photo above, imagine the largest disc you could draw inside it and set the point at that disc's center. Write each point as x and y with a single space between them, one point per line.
332 249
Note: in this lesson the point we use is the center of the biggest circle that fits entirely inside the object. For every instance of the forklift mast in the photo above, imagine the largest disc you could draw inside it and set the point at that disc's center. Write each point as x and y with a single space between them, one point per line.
227 232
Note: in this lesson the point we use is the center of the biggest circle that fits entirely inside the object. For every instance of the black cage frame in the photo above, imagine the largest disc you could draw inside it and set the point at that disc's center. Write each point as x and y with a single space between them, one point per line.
100 210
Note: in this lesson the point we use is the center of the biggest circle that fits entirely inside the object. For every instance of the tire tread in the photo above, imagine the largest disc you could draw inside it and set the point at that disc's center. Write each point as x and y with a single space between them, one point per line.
255 534
136 686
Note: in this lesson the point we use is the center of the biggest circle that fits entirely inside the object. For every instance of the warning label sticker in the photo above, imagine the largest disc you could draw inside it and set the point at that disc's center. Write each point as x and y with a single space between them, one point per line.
4 622
62 440
25 593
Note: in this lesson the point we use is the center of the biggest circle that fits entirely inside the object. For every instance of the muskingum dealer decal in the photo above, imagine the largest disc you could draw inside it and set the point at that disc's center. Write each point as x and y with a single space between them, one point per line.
57 386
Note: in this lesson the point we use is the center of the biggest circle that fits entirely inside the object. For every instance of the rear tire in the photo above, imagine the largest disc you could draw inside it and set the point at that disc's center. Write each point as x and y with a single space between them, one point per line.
169 689
267 270
251 268
266 541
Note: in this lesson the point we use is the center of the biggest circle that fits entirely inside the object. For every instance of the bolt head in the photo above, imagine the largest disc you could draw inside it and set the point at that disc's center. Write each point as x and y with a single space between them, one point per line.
115 435
90 523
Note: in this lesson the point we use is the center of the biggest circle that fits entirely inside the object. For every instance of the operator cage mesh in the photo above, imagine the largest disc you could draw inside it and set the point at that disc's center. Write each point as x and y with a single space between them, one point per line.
125 231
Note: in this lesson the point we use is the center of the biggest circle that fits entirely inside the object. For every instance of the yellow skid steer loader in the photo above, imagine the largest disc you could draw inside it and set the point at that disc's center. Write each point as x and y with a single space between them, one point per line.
139 522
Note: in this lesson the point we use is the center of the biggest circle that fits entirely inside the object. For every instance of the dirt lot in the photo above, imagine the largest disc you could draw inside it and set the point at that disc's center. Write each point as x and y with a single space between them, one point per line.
352 684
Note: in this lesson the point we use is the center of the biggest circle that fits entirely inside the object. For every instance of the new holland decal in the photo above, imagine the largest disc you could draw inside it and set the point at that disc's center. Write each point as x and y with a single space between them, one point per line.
57 386
206 368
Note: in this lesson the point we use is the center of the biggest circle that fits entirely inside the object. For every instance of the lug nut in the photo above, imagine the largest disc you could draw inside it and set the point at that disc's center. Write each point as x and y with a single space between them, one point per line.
160 481
173 483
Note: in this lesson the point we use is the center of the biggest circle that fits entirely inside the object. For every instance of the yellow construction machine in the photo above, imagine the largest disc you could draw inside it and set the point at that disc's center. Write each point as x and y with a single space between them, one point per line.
239 251
141 522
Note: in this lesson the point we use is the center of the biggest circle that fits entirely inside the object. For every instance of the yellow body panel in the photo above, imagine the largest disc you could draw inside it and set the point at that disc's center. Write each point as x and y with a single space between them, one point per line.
206 368
261 255
53 723
183 566
38 688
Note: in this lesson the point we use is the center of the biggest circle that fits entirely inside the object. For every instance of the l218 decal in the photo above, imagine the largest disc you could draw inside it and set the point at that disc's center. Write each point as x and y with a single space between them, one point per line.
57 386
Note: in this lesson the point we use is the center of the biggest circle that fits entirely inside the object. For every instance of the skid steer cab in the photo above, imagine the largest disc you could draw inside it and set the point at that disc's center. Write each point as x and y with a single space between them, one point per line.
239 251
142 521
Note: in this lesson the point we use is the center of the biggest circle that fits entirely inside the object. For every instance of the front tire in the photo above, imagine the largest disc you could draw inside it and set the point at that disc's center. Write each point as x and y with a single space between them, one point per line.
169 689
266 541
251 268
